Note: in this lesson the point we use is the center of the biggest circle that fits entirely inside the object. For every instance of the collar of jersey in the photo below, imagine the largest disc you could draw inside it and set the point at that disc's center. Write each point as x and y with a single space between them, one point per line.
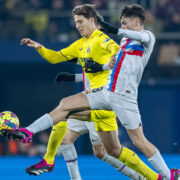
95 33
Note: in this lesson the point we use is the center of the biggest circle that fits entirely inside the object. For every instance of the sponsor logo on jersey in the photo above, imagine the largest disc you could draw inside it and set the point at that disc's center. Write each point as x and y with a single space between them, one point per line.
127 50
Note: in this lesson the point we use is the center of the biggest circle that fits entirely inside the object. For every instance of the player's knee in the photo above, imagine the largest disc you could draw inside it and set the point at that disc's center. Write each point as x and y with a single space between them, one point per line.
115 152
66 141
99 151
63 103
139 143
99 154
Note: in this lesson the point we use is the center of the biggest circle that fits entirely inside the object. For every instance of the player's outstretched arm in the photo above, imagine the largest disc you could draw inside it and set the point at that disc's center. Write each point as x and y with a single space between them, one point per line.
48 54
31 43
135 35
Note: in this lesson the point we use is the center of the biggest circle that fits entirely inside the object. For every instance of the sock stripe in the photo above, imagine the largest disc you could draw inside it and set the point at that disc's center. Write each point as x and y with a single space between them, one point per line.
71 160
122 168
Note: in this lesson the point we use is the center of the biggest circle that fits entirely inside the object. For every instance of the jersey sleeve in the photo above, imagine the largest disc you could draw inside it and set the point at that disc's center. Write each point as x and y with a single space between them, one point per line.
142 36
54 57
71 51
108 44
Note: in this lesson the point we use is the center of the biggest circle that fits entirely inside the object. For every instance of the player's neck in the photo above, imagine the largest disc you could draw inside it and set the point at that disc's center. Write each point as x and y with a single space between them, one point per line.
90 33
139 28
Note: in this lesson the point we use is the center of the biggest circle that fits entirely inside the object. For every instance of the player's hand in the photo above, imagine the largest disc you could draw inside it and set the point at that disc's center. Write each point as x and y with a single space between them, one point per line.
112 62
64 77
92 67
31 43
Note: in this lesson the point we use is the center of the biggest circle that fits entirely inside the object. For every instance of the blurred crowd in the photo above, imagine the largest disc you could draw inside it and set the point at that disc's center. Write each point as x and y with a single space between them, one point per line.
52 19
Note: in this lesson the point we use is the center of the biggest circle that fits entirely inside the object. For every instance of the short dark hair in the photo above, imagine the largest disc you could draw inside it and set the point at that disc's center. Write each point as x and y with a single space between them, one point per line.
86 10
134 10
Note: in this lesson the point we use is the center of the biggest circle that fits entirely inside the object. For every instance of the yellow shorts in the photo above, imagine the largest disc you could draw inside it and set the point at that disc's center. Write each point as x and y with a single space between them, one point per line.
104 120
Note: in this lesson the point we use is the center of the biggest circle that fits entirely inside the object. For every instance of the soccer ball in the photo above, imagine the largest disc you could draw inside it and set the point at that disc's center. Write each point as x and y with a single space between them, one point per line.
8 120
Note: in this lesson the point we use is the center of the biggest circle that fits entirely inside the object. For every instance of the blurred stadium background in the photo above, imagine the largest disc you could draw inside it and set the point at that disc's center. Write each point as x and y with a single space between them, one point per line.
29 90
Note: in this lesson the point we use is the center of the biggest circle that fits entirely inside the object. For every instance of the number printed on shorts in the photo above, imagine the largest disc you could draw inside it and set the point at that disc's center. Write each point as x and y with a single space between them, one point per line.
94 90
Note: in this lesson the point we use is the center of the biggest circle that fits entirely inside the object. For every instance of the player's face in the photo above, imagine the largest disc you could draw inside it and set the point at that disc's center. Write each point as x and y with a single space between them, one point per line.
128 23
83 25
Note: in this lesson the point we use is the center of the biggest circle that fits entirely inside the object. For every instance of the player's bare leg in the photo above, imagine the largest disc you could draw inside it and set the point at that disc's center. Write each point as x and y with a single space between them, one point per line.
113 147
100 152
151 152
59 114
76 102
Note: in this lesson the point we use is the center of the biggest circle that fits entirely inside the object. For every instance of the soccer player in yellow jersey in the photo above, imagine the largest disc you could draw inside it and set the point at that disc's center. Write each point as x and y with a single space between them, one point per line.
98 47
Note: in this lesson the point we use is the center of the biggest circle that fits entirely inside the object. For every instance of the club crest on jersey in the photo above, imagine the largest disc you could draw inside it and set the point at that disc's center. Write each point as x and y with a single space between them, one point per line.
88 50
106 40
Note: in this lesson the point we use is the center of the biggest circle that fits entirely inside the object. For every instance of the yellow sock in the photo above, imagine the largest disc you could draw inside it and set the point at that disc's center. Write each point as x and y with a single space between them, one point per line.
131 159
57 134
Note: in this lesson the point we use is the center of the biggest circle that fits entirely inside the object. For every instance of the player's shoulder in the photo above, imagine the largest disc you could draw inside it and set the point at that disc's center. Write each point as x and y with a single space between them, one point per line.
76 43
102 36
151 34
78 40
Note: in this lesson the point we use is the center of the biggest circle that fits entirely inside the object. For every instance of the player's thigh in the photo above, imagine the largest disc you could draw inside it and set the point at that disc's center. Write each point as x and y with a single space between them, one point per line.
83 115
111 142
74 103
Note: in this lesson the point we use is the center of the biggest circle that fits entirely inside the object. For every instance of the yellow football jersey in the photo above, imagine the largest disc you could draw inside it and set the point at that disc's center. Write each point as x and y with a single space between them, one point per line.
98 47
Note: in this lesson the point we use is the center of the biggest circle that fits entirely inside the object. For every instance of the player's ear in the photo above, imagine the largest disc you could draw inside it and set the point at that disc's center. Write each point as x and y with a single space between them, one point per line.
136 21
92 20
